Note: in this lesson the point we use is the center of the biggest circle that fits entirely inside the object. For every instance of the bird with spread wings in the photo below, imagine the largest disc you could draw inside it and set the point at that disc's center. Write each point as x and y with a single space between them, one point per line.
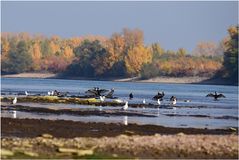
96 91
215 96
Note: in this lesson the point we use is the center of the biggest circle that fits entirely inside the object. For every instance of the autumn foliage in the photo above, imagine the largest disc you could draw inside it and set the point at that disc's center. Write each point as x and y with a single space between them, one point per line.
124 54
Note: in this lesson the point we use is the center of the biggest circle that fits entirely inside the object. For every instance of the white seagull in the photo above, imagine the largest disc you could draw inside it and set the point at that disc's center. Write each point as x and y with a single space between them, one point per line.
14 101
102 98
26 93
144 101
51 93
158 102
125 107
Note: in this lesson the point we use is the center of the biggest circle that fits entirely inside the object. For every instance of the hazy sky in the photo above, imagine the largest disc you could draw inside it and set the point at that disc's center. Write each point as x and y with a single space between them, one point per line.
172 24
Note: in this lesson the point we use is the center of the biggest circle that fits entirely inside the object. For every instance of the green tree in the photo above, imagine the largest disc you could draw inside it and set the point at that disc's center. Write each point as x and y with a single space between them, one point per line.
45 48
231 55
19 59
149 71
89 58
157 51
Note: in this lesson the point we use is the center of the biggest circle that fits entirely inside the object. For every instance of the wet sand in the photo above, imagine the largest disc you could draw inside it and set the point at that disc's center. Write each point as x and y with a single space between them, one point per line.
71 129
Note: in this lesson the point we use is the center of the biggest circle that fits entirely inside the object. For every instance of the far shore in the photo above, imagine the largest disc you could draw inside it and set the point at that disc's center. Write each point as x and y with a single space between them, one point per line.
30 75
177 80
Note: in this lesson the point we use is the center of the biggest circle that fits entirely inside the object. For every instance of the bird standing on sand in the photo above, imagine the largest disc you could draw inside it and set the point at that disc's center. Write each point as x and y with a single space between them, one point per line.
216 96
131 96
125 107
14 100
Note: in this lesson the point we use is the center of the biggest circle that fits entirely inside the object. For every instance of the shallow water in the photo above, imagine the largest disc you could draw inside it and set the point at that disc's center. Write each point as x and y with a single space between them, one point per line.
162 120
187 116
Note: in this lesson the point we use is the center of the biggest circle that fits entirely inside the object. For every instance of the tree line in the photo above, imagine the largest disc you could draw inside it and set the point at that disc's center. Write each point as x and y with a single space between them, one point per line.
122 54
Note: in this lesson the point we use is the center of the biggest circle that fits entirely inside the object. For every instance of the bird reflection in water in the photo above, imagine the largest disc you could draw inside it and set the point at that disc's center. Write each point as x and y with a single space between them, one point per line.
125 120
13 113
100 108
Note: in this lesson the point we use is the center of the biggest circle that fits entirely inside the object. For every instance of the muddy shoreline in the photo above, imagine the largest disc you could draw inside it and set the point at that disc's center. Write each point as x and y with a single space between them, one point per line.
70 129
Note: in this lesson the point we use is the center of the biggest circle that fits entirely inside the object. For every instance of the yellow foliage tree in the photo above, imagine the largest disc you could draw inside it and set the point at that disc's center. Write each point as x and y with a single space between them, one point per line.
133 38
136 58
68 53
54 47
36 56
5 48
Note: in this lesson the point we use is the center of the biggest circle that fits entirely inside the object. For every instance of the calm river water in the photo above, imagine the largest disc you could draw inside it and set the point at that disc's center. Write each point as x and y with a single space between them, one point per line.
220 114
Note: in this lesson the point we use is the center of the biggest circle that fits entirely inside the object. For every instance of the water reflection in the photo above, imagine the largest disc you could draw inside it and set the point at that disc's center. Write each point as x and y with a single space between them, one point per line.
126 120
169 121
12 114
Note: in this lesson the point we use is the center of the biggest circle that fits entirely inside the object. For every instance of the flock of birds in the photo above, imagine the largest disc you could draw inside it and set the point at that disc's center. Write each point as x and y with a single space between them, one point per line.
99 93
96 92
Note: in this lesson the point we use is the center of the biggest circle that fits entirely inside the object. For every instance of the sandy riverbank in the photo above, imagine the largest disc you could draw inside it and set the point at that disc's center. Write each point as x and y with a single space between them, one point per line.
30 75
135 79
182 80
68 139
176 80
134 147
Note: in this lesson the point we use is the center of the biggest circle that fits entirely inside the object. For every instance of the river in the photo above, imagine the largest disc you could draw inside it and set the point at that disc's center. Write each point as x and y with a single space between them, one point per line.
219 114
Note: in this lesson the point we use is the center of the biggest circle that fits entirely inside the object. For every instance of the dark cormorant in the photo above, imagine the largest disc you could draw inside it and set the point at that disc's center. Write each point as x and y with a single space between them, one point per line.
216 96
96 91
131 96
158 96
110 94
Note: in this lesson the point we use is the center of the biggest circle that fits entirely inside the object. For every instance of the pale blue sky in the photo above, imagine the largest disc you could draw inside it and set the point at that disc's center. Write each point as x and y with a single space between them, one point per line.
172 24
